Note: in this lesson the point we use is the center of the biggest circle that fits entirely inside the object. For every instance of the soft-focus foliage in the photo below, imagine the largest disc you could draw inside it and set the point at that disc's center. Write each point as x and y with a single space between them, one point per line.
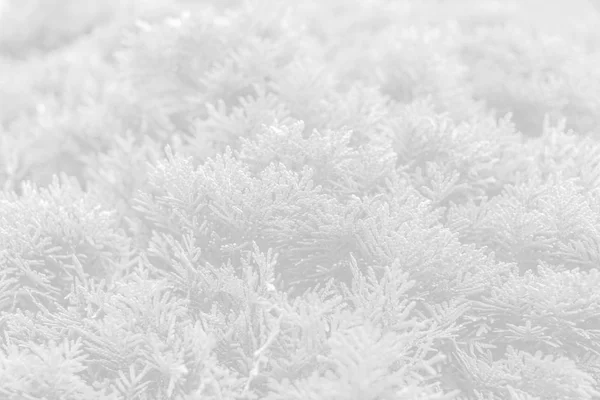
299 200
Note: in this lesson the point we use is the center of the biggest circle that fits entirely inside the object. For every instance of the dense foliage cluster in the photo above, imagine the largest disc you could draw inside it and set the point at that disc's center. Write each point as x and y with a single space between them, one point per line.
286 200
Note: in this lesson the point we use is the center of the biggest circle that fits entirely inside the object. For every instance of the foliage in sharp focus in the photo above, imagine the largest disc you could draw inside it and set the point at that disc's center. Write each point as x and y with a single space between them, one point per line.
52 237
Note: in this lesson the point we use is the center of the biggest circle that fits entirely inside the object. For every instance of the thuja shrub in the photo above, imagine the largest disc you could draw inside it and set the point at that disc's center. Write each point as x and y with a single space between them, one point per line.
324 200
